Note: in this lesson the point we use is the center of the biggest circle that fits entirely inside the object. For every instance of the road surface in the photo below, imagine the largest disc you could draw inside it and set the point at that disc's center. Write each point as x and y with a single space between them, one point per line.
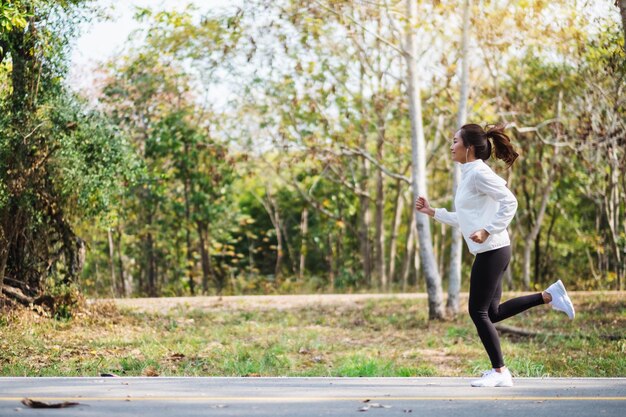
300 397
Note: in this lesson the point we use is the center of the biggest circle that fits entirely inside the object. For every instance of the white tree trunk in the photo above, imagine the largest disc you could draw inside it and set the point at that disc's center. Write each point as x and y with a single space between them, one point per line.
393 251
418 170
381 270
365 215
456 250
409 254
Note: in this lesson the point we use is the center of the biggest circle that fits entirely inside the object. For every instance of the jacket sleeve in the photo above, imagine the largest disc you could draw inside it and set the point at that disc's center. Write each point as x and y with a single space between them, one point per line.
444 216
495 187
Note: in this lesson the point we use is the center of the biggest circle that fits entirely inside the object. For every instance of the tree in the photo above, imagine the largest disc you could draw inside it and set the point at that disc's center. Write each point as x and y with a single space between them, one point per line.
456 249
186 170
61 160
431 273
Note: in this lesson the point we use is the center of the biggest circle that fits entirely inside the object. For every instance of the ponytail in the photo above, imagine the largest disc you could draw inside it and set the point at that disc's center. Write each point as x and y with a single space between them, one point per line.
503 147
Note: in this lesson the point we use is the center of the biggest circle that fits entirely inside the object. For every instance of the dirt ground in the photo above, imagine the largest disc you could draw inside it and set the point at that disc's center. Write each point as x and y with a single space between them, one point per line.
252 302
282 302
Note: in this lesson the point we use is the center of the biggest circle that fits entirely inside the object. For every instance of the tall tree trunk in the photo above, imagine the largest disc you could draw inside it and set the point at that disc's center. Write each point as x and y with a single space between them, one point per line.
393 240
381 264
409 253
205 259
418 147
304 230
126 287
114 290
365 215
4 253
380 218
330 259
537 252
279 242
189 260
291 253
7 229
271 208
187 189
150 266
365 219
612 212
456 250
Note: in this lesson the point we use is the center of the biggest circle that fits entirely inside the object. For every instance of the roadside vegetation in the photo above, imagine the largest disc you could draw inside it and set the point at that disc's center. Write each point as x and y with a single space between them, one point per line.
388 337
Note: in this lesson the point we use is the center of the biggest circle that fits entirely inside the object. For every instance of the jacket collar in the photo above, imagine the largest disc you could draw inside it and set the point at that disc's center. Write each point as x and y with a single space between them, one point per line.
468 166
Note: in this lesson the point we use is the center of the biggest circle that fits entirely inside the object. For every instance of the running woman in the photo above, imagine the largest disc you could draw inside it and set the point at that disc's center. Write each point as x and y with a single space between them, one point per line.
484 209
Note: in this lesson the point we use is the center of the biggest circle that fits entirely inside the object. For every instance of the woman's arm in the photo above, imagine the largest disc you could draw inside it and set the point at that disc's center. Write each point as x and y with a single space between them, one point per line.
495 187
441 215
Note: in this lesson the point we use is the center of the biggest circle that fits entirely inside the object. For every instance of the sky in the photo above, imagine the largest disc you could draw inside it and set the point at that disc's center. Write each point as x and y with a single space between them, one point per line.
100 40
103 39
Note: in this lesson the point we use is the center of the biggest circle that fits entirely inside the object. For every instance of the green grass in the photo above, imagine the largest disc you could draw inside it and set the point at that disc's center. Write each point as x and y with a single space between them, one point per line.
387 337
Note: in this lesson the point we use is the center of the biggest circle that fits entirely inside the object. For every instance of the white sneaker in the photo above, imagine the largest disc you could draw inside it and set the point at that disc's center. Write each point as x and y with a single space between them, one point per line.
560 300
494 379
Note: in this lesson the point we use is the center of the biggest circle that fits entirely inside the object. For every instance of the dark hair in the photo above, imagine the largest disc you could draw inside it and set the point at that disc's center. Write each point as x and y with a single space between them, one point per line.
474 135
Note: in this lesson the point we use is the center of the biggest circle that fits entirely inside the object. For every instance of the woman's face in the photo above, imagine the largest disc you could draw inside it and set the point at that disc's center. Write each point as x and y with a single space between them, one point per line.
459 152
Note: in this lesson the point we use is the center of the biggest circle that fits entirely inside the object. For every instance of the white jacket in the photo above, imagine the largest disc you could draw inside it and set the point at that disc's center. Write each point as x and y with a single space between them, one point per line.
482 202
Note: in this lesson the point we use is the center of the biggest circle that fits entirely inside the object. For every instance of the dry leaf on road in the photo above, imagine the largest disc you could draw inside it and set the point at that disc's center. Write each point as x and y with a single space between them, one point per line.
39 404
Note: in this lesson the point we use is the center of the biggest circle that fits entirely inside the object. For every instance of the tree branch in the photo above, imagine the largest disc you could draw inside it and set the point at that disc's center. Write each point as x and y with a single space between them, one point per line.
401 51
361 152
536 130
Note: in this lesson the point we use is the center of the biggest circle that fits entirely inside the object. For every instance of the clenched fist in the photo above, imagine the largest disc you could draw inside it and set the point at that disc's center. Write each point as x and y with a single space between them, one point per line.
422 205
479 236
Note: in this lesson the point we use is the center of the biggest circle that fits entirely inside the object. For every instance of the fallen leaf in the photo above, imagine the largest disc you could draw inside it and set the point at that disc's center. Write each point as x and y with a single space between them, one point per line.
177 356
366 401
304 351
38 404
150 371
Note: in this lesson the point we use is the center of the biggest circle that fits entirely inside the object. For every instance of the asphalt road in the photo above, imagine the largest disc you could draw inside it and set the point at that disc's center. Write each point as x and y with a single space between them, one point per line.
295 397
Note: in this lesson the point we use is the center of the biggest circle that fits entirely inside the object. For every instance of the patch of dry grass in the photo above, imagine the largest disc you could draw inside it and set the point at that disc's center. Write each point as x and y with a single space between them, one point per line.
378 337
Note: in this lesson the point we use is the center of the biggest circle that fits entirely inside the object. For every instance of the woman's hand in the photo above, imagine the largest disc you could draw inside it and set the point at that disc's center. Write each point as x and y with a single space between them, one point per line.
479 236
422 205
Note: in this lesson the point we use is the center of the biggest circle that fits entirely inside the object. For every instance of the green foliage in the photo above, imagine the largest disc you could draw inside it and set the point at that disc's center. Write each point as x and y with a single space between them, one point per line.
12 16
171 222
61 161
277 185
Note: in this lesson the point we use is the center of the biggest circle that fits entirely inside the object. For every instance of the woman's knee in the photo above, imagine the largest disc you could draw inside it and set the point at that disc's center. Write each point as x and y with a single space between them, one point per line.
478 314
494 316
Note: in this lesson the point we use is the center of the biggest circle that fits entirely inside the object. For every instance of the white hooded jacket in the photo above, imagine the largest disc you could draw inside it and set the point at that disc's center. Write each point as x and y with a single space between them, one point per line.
482 201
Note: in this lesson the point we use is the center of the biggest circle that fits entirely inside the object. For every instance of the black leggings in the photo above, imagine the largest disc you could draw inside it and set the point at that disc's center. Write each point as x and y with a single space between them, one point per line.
484 299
